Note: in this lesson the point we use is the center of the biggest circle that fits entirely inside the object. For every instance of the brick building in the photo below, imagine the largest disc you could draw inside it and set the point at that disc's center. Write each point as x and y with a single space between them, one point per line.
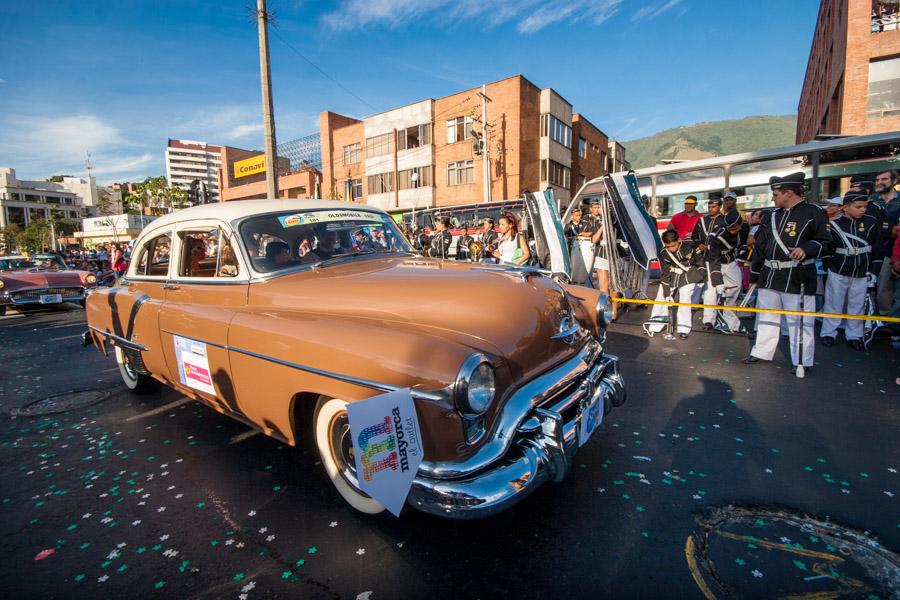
235 183
429 153
852 83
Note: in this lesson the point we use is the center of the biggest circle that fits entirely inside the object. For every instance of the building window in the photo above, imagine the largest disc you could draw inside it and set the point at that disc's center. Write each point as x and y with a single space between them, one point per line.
558 131
353 189
884 88
351 154
582 147
381 183
415 178
603 164
579 182
555 173
378 145
461 173
459 129
15 214
414 137
885 16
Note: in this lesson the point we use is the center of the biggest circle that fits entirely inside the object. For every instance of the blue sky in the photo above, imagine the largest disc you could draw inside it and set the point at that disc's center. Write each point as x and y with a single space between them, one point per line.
117 78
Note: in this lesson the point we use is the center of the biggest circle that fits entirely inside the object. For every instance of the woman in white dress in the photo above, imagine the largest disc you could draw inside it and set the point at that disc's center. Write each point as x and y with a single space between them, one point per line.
512 249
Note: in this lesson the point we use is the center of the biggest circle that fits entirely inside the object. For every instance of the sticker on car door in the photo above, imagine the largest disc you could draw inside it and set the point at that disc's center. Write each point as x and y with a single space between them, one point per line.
193 365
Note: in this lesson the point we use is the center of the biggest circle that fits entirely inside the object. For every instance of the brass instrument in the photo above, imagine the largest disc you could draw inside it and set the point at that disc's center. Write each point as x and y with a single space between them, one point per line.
476 247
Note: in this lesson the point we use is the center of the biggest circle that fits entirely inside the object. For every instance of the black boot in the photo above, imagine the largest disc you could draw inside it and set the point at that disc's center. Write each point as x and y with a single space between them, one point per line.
828 341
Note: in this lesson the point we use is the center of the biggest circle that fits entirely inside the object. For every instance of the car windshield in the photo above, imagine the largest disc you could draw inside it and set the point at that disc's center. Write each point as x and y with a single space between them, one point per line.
37 262
280 241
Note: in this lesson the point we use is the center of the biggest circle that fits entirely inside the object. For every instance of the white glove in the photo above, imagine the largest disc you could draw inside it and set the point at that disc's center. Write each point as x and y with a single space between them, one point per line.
871 280
720 289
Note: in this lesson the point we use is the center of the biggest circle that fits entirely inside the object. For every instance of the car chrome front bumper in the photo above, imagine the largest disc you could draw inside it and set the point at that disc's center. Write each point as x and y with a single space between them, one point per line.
543 444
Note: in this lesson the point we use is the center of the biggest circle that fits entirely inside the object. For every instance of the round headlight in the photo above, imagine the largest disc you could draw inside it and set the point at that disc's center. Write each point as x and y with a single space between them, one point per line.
91 279
1 284
475 386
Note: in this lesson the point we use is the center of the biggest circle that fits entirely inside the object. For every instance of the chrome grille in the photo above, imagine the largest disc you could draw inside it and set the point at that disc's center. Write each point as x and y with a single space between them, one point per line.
34 295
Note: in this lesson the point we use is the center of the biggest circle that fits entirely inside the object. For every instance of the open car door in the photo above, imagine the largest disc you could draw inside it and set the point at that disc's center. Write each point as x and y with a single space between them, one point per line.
550 242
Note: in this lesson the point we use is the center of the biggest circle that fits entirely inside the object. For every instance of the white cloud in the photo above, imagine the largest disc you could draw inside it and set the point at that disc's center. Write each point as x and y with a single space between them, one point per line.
530 15
654 10
2 81
38 146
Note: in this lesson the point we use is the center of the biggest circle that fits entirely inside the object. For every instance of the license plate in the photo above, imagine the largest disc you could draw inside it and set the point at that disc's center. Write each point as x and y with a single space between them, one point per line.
51 298
591 417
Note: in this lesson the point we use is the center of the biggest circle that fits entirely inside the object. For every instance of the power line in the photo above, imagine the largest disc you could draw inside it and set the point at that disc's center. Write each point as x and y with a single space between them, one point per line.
317 68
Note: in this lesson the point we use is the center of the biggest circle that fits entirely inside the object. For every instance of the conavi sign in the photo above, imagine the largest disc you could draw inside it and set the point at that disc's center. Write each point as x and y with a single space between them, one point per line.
250 166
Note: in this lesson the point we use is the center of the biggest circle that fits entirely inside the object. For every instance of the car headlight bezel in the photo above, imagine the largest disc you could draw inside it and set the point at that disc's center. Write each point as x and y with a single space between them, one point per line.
91 279
602 315
2 285
475 388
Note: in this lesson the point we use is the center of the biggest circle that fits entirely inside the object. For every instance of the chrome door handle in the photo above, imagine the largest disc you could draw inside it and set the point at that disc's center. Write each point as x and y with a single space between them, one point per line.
170 286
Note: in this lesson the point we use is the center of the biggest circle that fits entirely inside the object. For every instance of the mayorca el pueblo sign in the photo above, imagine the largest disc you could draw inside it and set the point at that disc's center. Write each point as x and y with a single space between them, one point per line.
387 445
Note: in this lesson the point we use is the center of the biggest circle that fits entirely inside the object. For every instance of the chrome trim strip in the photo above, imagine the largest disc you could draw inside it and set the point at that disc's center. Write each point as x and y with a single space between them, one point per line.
440 396
119 340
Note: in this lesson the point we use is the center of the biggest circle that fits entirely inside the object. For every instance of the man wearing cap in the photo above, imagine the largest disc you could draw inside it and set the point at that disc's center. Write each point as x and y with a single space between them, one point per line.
729 200
787 243
723 274
683 222
578 235
833 207
442 238
700 236
855 235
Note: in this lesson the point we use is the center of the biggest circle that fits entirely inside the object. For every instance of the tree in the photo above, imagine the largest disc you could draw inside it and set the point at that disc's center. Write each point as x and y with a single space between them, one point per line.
35 237
9 236
57 178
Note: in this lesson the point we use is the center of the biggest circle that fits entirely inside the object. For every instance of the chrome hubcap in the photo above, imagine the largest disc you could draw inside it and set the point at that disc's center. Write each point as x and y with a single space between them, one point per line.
340 442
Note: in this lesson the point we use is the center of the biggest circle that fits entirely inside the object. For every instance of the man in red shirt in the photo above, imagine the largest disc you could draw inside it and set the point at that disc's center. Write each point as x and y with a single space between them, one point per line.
684 221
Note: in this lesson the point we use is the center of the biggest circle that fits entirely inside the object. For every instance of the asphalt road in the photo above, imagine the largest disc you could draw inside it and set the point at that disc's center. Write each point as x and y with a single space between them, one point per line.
714 478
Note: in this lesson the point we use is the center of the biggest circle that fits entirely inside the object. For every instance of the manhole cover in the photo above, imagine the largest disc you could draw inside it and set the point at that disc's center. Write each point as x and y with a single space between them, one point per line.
775 553
58 403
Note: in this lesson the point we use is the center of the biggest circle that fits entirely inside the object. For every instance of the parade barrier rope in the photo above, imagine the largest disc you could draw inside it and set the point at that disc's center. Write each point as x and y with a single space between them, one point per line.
776 311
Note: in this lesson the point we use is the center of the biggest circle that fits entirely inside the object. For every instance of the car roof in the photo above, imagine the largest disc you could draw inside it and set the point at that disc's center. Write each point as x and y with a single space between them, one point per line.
238 209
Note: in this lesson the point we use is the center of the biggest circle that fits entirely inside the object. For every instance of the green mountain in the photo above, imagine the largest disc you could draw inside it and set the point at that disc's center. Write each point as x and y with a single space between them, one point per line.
716 138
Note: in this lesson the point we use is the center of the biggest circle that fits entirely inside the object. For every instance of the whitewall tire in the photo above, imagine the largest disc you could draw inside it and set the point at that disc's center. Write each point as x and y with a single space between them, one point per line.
134 381
332 436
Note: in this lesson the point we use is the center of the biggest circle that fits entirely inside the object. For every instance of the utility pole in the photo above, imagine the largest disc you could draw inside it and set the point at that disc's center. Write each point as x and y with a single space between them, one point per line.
484 140
262 20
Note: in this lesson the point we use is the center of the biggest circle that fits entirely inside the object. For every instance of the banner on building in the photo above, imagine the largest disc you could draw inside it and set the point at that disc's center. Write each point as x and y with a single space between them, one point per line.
388 446
250 166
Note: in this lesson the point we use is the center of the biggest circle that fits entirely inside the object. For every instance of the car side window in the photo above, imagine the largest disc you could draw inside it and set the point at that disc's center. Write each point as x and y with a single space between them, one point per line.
153 259
207 253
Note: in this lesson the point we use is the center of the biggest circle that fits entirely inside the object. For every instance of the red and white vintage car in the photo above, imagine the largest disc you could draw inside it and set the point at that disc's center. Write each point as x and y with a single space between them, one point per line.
40 280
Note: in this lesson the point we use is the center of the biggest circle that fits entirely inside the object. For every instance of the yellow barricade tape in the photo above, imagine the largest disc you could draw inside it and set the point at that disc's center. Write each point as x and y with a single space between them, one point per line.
776 311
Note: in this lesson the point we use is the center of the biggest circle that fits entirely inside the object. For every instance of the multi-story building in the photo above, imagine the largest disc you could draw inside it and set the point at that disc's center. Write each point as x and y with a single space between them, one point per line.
852 83
193 167
430 153
616 160
22 201
589 150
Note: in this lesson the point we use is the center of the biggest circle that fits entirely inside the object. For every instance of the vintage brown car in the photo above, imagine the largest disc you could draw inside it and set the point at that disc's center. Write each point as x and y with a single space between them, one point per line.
40 280
279 313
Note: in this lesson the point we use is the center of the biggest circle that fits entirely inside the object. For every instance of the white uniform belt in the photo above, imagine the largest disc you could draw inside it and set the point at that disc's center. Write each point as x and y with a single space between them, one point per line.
676 270
786 264
853 251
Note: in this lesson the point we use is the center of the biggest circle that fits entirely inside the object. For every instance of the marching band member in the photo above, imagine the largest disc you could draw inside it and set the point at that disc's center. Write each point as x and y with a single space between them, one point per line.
442 238
703 228
857 238
787 243
600 262
578 234
679 263
723 274
488 240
